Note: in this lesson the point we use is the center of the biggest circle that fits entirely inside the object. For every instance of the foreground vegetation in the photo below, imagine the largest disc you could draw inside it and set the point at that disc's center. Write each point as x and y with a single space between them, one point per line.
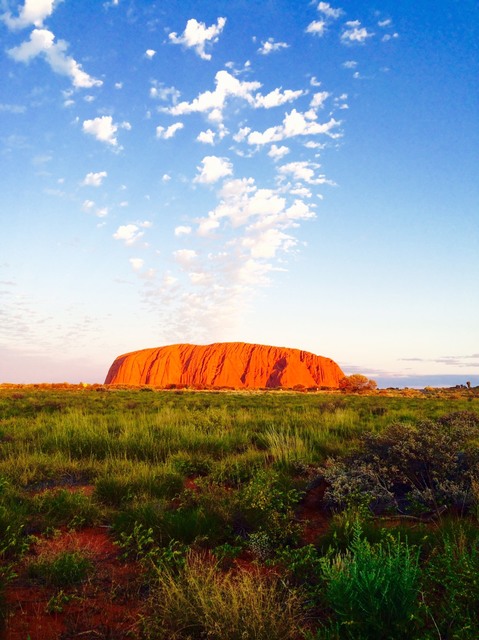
249 515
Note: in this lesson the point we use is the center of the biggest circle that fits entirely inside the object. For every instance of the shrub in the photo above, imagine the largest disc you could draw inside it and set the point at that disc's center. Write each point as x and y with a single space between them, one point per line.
200 601
412 468
373 589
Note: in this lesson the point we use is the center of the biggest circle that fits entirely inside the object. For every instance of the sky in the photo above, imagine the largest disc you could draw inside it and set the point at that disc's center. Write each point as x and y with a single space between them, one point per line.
284 172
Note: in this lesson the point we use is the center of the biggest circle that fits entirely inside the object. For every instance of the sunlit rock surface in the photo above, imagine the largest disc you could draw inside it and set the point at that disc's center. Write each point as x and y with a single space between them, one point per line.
237 365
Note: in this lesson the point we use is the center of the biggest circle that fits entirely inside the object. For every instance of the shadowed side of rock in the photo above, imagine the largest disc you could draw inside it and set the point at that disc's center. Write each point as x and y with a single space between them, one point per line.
237 365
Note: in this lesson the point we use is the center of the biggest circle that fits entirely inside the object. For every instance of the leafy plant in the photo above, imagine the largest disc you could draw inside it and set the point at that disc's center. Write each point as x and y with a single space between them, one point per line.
452 583
407 468
373 589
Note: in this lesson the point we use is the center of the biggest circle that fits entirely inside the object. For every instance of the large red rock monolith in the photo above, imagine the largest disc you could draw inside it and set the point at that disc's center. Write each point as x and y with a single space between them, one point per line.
237 365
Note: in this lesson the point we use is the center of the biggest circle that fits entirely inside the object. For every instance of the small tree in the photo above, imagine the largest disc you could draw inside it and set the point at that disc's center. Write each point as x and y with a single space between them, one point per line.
357 383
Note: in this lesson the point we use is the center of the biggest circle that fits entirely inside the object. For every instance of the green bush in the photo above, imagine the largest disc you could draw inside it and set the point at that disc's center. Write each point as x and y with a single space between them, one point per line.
407 468
373 589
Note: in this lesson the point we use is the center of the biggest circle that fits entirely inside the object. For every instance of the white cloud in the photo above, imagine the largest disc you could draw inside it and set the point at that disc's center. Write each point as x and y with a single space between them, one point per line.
197 35
104 129
128 233
213 169
185 257
303 171
350 64
318 99
33 12
94 179
390 36
227 86
42 43
275 98
294 124
206 137
267 243
150 53
137 263
385 23
182 230
242 134
271 46
355 33
102 212
168 132
278 152
317 27
161 92
88 205
326 9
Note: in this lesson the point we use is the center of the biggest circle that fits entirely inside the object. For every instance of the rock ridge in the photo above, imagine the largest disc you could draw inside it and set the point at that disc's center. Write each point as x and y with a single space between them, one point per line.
236 365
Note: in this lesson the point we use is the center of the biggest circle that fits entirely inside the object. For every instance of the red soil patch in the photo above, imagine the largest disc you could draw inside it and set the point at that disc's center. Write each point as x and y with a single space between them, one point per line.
106 605
312 514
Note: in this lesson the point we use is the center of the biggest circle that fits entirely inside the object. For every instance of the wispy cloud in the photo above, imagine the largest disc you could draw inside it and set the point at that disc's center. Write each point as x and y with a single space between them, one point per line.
354 33
42 42
270 46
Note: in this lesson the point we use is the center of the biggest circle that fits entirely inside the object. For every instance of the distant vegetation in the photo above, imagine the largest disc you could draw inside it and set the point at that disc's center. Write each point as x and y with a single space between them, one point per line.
245 515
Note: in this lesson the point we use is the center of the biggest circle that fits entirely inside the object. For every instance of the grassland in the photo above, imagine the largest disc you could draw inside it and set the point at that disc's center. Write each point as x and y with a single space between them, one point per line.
179 514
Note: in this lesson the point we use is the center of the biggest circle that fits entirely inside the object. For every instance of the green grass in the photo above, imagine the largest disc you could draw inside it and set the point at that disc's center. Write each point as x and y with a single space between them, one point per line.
174 475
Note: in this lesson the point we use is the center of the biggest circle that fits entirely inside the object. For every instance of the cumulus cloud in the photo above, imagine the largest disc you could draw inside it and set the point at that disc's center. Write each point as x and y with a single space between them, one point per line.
213 102
318 99
326 9
166 133
94 179
276 98
294 124
206 137
42 43
354 33
303 171
197 35
150 53
229 87
128 233
185 257
213 169
104 129
270 46
278 152
33 12
317 27
182 230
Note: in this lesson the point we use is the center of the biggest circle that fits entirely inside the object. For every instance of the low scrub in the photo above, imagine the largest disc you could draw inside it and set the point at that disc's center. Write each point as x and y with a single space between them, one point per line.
198 600
412 468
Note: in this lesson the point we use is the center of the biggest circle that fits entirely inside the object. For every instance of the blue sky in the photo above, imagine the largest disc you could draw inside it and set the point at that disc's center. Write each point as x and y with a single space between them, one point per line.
295 173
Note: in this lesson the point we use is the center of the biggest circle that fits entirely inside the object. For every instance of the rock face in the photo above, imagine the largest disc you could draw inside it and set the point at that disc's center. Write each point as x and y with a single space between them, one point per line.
228 364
